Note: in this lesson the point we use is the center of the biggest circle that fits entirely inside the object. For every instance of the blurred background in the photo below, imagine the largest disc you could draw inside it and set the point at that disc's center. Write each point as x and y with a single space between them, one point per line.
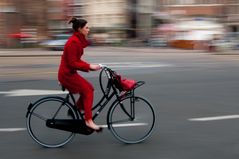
187 24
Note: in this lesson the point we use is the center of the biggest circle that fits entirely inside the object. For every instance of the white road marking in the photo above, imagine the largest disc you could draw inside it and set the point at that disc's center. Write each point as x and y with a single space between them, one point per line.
136 65
11 129
104 126
2 92
31 92
215 118
125 125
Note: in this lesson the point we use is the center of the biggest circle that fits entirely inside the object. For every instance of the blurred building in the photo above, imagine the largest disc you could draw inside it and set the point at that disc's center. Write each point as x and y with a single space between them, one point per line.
224 11
116 19
220 18
232 15
144 13
8 19
18 18
193 8
107 19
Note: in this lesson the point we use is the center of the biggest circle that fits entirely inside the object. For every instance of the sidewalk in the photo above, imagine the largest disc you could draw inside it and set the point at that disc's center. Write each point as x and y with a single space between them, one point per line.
28 52
24 52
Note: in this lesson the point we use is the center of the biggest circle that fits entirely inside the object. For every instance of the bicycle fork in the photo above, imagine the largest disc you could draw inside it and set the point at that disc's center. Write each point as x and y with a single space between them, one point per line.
131 112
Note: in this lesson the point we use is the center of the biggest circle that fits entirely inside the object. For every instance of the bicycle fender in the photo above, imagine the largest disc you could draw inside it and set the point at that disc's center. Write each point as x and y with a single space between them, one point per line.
28 109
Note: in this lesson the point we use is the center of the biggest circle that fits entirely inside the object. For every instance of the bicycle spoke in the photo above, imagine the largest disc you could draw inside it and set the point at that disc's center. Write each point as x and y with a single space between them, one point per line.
120 121
58 110
39 116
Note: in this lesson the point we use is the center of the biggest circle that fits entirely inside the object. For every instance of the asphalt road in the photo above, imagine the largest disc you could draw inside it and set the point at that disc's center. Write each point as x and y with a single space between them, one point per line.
184 88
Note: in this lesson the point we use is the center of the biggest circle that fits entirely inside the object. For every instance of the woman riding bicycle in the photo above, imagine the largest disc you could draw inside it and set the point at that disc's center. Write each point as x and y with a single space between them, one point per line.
71 61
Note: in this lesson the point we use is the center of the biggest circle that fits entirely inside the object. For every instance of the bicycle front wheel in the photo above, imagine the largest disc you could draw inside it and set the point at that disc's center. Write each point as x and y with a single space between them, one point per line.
40 112
131 120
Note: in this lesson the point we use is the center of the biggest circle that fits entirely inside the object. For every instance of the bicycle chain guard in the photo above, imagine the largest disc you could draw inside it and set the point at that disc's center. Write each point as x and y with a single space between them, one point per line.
72 125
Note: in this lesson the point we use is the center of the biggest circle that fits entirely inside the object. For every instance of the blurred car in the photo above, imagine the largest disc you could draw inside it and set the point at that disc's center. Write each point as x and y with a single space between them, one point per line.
57 43
157 42
224 44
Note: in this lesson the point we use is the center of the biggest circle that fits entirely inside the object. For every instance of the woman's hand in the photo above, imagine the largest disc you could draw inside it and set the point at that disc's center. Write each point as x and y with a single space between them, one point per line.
94 67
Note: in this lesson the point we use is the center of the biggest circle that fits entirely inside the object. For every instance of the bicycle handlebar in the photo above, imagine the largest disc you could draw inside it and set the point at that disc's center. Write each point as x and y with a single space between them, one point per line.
103 66
109 72
106 69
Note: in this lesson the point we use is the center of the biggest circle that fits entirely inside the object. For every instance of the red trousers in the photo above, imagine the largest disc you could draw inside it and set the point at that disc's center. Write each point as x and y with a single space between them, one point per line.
77 84
85 102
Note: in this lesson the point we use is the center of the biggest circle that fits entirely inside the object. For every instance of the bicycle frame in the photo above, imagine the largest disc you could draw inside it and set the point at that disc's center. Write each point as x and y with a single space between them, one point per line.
107 96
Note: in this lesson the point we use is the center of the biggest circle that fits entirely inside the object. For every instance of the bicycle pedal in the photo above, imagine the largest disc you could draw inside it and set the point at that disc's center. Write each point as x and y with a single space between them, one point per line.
99 130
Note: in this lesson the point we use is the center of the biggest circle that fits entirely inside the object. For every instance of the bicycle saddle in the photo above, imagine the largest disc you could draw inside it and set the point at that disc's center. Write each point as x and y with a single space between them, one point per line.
62 87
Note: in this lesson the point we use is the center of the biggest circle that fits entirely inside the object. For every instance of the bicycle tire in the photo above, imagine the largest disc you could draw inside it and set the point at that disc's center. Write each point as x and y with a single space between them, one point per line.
44 109
137 129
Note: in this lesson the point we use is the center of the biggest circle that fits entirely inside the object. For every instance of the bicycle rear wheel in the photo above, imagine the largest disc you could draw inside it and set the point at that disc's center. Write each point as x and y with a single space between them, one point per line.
48 108
131 120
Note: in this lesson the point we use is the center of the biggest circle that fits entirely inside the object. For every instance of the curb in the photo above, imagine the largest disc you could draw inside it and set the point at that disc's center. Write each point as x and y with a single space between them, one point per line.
29 55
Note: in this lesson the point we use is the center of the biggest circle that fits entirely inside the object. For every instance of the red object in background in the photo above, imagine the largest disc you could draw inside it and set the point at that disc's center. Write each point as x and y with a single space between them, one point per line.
20 35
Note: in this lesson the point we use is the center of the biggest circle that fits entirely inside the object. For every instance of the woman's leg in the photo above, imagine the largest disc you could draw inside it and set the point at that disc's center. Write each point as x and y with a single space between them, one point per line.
86 91
80 104
87 98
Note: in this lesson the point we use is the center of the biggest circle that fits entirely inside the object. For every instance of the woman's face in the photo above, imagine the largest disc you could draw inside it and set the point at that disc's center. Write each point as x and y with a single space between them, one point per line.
85 30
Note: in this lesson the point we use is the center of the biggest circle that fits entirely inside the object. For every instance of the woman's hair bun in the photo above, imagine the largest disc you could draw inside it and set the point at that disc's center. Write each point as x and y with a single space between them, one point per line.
72 20
77 23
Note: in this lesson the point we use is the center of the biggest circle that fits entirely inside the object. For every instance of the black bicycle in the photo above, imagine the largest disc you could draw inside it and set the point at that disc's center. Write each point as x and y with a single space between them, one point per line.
53 121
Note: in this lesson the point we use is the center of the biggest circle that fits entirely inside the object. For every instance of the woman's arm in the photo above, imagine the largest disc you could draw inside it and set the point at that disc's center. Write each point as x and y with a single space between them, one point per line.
73 58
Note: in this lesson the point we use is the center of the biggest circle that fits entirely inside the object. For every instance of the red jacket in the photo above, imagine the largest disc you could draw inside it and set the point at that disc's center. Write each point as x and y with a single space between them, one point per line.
71 62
